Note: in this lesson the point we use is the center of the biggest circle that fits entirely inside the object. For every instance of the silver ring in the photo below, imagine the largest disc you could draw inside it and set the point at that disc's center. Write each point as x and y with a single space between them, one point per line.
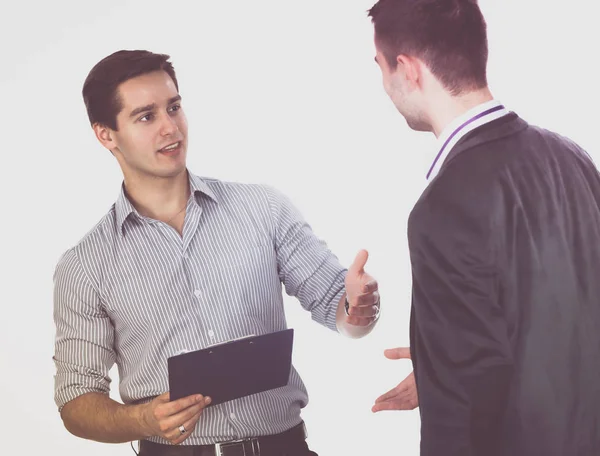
377 311
182 429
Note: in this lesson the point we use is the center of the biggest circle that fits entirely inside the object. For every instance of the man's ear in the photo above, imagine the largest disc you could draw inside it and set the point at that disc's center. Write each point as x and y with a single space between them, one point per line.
412 70
105 135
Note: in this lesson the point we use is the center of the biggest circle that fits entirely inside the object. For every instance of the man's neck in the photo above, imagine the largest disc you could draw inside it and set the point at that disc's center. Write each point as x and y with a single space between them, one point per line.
446 107
156 197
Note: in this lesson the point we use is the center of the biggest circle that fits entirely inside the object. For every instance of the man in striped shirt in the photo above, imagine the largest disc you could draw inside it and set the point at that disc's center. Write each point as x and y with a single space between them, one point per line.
180 263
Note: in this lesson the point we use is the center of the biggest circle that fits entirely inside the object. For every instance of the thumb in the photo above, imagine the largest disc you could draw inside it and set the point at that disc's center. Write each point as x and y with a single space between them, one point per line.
397 353
358 267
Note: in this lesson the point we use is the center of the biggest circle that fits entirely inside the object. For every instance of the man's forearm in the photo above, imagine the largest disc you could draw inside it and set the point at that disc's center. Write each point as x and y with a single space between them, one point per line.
347 329
96 416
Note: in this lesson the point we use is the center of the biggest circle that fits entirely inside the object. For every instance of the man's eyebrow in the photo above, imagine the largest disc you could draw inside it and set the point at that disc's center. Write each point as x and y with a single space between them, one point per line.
141 109
152 107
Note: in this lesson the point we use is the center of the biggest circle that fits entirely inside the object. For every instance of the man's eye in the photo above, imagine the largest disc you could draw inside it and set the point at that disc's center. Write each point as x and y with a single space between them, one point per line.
146 118
175 108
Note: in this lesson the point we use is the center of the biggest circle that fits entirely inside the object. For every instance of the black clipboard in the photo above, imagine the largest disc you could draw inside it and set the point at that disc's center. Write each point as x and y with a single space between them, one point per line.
233 369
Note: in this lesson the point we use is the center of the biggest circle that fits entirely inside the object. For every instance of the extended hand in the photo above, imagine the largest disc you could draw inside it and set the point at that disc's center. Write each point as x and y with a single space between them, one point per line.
164 418
361 292
404 396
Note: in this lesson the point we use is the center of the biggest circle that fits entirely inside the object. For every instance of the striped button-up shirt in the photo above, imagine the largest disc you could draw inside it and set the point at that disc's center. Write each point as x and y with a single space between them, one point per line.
135 292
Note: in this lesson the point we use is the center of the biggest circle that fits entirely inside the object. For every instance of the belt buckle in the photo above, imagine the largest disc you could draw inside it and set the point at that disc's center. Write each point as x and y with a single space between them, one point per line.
255 447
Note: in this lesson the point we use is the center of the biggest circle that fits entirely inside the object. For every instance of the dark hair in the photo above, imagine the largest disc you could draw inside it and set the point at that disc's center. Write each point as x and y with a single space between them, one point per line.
100 90
450 36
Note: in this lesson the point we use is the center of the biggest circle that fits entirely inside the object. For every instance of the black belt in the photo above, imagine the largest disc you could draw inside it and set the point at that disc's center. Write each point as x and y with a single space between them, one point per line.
257 446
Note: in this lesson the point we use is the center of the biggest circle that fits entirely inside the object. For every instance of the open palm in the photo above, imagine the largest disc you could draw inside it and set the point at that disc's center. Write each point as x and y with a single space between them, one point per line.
404 396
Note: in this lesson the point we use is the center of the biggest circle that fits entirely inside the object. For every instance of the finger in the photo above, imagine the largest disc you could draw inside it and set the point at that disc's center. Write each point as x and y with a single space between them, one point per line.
368 312
189 412
397 353
404 388
172 424
176 437
391 394
367 299
383 406
395 405
360 321
370 286
358 266
174 407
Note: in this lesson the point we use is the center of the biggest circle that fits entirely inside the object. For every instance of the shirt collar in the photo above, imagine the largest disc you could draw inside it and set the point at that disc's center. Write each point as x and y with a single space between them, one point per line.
198 185
482 114
124 208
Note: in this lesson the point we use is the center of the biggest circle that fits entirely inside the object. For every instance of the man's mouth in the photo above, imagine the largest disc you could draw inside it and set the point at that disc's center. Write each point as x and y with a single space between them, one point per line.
171 147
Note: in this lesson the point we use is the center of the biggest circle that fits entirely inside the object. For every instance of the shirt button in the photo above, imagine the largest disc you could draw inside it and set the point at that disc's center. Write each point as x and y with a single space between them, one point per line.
232 416
211 333
197 293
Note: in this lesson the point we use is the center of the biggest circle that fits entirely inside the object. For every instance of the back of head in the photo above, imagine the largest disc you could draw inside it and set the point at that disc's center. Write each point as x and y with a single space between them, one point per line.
100 90
449 36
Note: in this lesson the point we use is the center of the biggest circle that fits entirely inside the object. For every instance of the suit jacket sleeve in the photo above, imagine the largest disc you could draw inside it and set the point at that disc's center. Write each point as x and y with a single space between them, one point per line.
463 361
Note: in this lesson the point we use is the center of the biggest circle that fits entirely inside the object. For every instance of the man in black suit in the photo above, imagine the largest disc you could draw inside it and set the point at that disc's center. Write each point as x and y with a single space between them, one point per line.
505 252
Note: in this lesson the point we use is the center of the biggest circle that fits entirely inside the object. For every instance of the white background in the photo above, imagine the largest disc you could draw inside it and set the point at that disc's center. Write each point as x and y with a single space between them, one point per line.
279 92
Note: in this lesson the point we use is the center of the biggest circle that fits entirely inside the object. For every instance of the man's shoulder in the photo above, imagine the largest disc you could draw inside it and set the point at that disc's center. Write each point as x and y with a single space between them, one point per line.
104 232
527 144
561 143
98 239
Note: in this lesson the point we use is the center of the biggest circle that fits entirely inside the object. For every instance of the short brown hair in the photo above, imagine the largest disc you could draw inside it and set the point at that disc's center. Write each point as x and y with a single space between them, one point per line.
100 92
450 36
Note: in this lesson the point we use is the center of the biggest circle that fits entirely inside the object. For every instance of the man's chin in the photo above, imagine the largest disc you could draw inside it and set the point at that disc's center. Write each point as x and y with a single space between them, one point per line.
170 172
417 125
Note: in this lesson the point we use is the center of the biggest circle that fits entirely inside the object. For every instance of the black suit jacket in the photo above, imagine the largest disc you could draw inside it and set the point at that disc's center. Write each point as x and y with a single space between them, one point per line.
505 319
